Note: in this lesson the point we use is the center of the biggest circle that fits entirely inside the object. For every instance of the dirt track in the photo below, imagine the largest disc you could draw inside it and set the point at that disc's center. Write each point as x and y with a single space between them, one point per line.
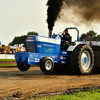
7 62
24 84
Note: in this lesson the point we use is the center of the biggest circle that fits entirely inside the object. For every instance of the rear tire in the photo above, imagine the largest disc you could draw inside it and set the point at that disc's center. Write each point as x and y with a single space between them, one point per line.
81 60
23 67
46 65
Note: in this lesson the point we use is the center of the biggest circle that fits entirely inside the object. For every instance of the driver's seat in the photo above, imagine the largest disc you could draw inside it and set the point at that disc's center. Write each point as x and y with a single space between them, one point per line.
65 43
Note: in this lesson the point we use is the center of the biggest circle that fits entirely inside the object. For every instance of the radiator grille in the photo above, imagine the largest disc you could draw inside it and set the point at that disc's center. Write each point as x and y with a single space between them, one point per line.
30 44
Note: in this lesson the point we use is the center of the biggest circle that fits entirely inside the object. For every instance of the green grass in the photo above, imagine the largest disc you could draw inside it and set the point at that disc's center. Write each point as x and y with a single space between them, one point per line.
7 59
90 95
6 65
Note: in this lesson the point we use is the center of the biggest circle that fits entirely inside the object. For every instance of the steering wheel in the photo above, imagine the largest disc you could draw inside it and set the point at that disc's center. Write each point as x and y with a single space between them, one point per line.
61 34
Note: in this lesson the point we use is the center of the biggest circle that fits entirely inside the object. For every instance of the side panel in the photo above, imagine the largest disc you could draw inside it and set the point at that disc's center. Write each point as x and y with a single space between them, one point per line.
43 47
47 45
34 58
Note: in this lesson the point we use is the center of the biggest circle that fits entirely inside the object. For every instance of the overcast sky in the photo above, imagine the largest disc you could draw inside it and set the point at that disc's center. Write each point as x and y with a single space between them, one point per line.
17 17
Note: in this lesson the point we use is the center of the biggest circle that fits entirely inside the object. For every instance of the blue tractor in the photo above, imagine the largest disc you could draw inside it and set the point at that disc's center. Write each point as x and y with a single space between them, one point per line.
49 53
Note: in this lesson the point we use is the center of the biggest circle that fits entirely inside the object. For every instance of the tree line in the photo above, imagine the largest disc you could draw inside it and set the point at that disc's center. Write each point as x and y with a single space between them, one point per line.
83 37
86 37
20 39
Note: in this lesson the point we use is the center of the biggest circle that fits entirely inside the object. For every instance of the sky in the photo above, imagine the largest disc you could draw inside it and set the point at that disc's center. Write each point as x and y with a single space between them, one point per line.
17 17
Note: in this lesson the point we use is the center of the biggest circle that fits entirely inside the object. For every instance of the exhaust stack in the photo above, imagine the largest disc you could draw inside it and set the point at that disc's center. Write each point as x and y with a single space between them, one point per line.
50 33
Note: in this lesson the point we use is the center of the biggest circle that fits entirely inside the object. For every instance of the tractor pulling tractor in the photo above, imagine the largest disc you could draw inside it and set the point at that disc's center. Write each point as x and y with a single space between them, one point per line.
48 54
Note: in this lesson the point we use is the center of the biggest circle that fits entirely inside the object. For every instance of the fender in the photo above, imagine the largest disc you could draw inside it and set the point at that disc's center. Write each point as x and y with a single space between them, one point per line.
73 46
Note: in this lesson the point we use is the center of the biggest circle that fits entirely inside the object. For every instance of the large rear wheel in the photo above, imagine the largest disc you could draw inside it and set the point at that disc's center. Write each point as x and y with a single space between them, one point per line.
81 60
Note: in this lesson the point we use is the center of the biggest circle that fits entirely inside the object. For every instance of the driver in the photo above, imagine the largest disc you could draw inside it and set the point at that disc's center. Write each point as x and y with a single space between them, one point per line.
67 39
66 36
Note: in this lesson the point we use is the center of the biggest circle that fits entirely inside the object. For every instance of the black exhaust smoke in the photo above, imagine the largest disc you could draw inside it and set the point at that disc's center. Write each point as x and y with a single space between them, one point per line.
54 8
82 12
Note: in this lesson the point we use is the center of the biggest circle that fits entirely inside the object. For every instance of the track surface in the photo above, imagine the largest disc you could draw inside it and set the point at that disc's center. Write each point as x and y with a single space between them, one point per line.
24 84
7 62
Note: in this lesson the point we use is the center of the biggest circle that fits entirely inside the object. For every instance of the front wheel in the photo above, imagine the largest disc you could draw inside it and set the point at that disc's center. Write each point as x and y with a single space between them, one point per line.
47 65
23 67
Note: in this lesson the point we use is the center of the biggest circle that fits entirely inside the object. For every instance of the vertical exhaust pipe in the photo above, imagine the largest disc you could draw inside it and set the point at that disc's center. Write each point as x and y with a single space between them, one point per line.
50 33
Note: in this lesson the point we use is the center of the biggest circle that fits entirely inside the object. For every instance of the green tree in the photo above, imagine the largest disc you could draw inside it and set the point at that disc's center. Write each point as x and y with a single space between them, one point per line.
94 37
32 33
85 36
92 33
98 37
20 39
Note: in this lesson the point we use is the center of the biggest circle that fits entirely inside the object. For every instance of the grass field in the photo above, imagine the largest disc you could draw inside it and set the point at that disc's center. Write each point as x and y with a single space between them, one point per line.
90 95
6 65
7 59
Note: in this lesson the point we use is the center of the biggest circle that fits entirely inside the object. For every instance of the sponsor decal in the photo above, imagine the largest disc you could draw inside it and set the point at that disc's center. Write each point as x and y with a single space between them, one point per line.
62 62
35 55
53 57
48 50
39 46
34 60
30 60
64 52
61 57
41 56
30 55
55 61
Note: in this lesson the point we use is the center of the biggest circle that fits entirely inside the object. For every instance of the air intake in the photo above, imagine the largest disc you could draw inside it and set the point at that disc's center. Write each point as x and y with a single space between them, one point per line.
30 44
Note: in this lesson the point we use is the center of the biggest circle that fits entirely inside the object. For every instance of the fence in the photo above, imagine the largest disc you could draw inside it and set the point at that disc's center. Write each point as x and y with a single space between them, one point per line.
93 42
7 56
